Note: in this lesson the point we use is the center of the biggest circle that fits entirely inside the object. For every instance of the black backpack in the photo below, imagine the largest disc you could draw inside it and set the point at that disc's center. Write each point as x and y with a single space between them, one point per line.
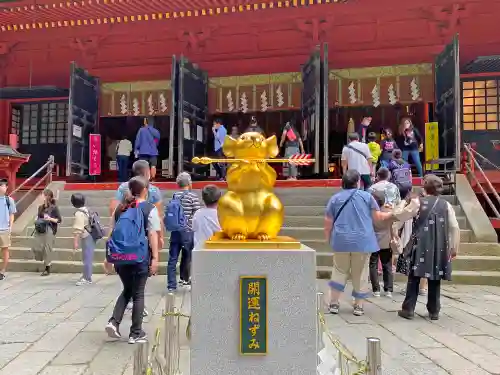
94 227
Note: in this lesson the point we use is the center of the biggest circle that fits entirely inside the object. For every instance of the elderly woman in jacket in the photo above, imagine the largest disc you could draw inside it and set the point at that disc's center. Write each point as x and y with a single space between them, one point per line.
432 247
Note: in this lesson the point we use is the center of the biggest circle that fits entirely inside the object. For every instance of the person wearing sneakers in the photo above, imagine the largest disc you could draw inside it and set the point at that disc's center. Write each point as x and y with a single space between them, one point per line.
349 218
82 238
134 254
179 221
141 168
383 231
7 212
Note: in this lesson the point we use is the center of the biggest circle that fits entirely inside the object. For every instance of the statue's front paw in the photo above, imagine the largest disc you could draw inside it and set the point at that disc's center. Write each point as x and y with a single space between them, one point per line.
263 237
239 237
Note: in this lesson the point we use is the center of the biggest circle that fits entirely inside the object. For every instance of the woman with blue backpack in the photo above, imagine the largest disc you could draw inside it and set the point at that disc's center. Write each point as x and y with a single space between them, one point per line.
133 250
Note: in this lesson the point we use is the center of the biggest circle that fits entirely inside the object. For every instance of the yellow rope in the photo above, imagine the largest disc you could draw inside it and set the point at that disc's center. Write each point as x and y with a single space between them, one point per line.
344 352
165 314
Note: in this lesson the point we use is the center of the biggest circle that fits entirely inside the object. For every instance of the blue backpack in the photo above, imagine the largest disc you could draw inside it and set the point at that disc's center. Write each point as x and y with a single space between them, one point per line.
128 243
175 219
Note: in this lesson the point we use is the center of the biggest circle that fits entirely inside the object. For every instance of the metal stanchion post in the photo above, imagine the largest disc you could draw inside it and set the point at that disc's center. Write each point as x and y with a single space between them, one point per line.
141 358
319 328
168 346
373 356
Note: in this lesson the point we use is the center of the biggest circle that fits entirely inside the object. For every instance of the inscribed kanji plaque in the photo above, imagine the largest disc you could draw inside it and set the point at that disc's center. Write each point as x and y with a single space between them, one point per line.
253 315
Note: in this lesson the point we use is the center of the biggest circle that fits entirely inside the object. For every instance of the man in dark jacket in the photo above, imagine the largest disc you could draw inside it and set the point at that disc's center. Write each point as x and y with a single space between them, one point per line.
363 128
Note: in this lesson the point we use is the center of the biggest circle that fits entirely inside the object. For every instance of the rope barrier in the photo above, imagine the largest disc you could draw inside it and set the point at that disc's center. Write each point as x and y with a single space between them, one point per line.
346 357
346 354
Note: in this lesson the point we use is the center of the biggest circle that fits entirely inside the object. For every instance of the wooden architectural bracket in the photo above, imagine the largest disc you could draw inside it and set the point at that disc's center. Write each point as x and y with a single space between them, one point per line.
88 46
315 29
444 21
195 41
5 56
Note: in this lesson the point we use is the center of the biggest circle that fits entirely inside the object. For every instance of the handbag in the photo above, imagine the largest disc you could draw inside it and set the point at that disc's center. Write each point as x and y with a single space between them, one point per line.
404 259
40 226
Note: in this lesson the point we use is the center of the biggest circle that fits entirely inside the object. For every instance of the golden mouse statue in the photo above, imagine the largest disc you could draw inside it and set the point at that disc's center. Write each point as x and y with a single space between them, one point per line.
249 209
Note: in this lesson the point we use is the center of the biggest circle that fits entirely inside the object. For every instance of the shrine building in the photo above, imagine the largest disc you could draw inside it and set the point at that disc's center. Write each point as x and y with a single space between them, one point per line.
74 68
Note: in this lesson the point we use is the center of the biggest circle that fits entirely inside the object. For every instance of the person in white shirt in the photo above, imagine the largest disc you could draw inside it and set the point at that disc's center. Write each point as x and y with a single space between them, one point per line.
205 220
123 150
357 156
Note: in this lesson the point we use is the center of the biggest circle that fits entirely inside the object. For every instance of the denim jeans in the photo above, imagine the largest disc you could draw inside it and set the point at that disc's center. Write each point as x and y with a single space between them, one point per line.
292 168
415 158
122 164
181 243
134 279
220 168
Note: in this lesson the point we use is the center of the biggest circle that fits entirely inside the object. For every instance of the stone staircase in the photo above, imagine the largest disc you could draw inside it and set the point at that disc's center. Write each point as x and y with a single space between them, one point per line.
478 263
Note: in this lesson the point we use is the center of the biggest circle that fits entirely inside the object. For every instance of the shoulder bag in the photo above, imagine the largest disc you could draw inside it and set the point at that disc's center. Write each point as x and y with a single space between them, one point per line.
344 204
403 263
358 151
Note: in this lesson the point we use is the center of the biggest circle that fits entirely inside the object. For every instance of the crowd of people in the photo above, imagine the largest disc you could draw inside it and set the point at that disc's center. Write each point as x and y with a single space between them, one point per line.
385 227
373 228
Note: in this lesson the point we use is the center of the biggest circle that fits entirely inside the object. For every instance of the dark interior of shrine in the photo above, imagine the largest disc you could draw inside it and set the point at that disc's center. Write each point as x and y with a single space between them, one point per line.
386 116
342 120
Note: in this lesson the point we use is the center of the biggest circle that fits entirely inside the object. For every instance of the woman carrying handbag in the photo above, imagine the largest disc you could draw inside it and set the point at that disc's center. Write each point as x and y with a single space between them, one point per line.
430 250
46 224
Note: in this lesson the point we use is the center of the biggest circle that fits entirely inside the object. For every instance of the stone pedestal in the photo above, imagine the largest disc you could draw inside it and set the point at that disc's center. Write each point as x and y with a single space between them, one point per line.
291 311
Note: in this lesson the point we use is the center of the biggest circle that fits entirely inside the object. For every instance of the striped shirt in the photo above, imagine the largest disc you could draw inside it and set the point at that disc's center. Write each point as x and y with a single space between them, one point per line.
190 204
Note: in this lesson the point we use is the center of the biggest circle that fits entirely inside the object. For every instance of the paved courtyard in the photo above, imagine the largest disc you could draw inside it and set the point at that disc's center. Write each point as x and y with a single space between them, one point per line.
49 326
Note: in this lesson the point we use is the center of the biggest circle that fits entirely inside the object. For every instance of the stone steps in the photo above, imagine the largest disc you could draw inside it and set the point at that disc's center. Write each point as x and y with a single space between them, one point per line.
290 210
458 277
323 259
476 263
64 239
304 220
292 222
287 200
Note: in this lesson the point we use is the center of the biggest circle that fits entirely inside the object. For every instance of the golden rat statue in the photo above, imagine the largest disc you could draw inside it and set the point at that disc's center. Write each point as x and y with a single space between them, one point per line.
249 209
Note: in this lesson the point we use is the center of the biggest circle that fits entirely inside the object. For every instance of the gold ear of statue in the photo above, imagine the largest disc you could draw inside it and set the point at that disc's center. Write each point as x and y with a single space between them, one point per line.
229 146
272 146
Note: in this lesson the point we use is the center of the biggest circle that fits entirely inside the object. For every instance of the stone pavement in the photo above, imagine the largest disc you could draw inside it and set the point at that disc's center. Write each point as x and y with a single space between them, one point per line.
465 340
49 326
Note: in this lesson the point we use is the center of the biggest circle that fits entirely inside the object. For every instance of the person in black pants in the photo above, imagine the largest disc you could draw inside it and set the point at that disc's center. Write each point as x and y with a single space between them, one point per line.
383 233
135 276
434 244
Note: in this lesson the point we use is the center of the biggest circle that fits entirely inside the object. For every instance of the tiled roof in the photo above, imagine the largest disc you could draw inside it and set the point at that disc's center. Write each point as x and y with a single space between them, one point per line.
483 64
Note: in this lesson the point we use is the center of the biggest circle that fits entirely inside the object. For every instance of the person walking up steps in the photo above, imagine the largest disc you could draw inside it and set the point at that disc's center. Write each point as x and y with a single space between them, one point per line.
146 144
133 250
429 255
205 220
357 156
141 168
179 221
349 218
383 231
